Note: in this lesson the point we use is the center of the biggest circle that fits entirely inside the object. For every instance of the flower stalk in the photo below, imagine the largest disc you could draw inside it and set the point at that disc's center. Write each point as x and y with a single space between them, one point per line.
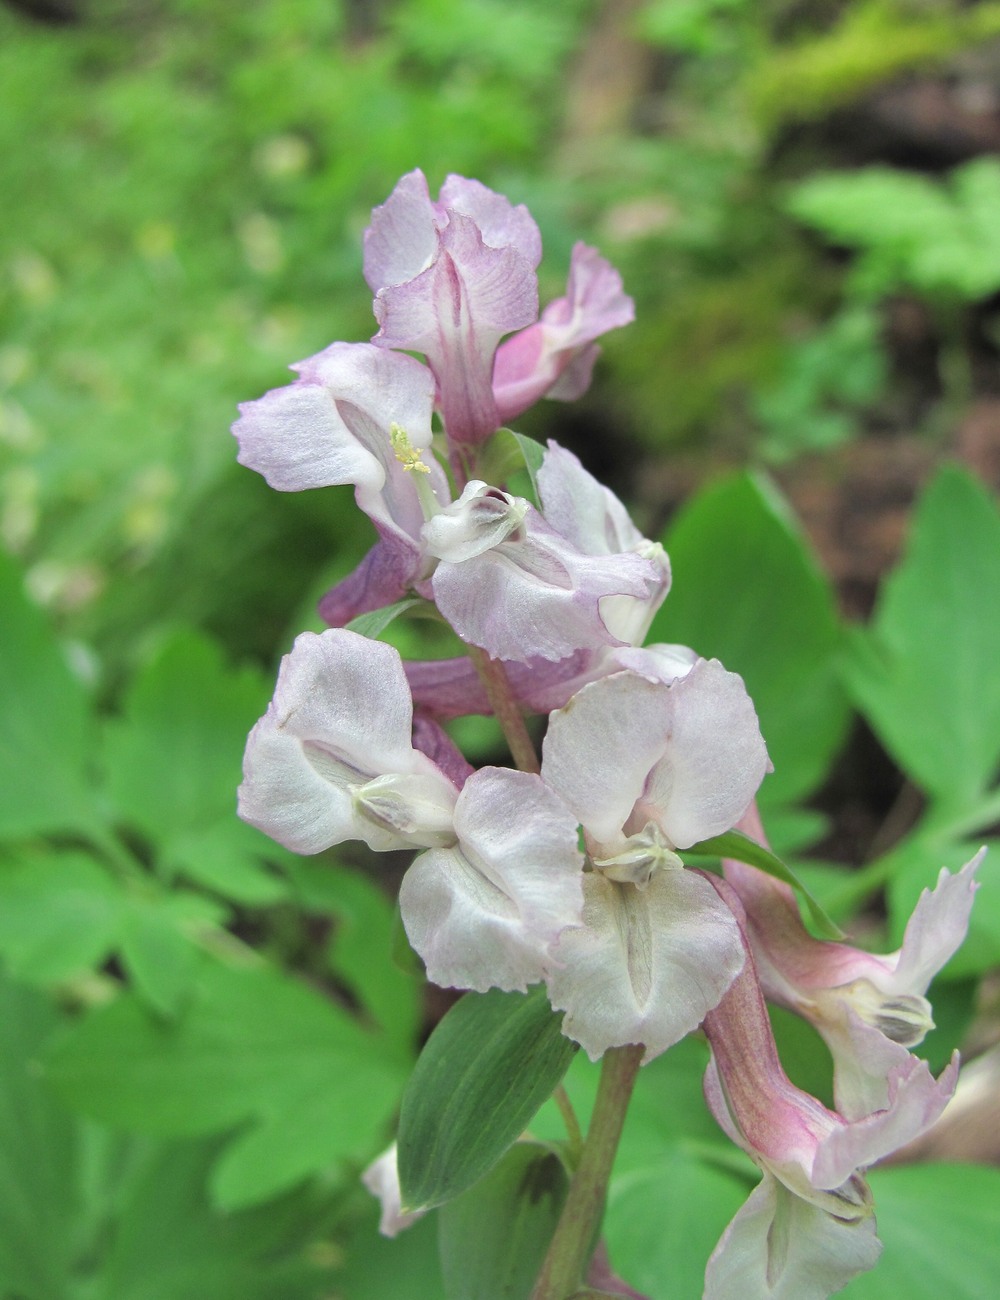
572 1243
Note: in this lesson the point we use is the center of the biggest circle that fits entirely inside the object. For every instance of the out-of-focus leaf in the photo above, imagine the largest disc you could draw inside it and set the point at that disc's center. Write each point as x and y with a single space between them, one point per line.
938 1224
493 1238
174 757
228 858
170 1244
60 914
482 1075
159 958
925 672
37 1188
664 1221
251 1047
747 591
46 740
404 1267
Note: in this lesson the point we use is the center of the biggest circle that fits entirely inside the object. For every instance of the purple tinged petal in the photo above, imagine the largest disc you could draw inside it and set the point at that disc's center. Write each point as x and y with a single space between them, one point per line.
536 595
581 508
483 914
647 965
340 721
402 238
555 356
456 312
501 224
780 1247
384 576
332 426
937 927
432 739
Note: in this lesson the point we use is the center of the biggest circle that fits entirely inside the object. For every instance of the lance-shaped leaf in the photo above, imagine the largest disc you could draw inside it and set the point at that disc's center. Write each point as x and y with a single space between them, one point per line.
734 844
493 1238
483 1074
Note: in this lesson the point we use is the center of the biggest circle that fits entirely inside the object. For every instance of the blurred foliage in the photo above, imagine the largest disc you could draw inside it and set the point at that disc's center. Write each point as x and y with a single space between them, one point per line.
190 183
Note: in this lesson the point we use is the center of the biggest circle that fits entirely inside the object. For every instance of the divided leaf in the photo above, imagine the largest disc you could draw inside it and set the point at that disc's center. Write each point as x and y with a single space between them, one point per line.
250 1047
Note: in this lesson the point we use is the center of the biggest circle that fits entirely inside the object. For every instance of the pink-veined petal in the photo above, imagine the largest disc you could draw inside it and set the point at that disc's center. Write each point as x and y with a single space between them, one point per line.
535 595
455 313
555 356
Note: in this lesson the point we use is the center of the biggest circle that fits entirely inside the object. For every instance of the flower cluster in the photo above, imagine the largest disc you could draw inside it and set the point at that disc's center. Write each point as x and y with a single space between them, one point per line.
569 873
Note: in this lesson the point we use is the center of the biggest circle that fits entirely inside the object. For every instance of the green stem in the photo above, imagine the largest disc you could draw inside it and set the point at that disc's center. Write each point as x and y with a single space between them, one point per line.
573 1241
573 1134
508 713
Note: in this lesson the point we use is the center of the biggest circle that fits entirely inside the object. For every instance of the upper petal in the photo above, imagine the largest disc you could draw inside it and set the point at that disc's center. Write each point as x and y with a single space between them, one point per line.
402 237
332 426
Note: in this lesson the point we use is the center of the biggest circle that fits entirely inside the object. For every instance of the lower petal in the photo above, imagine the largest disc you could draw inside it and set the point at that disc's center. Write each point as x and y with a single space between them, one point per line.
647 966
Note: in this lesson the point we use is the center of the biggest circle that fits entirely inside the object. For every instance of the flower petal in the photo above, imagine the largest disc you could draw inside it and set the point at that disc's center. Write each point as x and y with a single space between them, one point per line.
647 964
341 716
780 1247
534 594
555 356
483 914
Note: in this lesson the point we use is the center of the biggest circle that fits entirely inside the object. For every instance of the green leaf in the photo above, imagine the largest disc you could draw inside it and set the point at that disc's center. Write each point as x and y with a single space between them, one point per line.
376 621
229 858
403 1268
46 739
170 1244
925 673
174 758
664 1221
37 1199
483 1074
746 590
60 914
251 1047
493 1238
507 454
160 959
938 1223
734 844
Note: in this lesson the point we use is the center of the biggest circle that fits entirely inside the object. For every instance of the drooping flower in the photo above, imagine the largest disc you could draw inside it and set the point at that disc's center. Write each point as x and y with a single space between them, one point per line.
869 1008
808 1228
649 768
509 582
334 425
